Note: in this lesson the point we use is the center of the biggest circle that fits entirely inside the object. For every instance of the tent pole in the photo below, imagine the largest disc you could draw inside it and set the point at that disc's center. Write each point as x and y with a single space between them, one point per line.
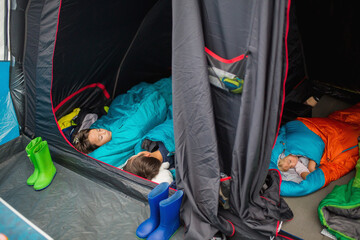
6 8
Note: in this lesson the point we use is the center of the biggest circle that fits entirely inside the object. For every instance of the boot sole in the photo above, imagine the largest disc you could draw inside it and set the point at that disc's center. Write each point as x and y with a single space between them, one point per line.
47 185
169 238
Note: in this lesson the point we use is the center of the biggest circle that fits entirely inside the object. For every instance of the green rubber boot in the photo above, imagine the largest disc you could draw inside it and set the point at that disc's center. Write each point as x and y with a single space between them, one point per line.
30 153
45 165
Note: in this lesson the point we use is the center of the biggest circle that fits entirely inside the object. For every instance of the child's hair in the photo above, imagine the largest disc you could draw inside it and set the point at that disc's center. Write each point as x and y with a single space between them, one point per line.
146 167
280 164
81 142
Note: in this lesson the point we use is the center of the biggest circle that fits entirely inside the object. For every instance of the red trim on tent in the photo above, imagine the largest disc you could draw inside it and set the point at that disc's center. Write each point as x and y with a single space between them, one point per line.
224 179
277 228
93 85
232 228
287 67
217 57
284 236
269 200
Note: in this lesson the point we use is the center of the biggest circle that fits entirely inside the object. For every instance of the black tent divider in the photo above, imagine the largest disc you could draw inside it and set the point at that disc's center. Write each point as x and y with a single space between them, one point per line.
215 129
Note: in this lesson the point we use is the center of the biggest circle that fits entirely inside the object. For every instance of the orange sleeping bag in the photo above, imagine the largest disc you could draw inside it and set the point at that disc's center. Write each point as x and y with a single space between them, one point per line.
340 132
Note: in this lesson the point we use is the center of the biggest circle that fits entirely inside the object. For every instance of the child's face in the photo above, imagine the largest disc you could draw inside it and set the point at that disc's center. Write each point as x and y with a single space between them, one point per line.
99 136
289 162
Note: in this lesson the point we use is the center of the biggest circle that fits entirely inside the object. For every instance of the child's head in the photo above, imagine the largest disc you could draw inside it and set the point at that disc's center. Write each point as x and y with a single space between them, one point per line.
287 162
143 165
81 142
88 140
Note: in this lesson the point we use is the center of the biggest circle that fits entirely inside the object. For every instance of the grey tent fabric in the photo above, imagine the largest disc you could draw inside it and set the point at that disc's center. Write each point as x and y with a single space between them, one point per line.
208 120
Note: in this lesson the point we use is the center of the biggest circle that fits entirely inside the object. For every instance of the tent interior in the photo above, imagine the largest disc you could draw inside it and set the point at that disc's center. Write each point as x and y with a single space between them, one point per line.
100 52
97 57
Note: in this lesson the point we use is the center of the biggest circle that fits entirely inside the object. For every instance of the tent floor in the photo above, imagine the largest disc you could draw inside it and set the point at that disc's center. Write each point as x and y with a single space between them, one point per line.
306 223
72 207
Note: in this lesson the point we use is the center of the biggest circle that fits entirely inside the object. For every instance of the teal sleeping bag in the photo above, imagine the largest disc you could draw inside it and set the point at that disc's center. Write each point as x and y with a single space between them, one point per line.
130 117
164 133
295 138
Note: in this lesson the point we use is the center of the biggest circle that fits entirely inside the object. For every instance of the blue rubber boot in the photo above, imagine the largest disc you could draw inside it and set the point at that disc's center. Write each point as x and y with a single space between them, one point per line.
169 217
159 193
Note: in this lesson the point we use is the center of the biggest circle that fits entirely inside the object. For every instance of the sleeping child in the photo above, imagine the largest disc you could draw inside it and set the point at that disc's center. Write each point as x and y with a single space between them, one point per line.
113 138
137 134
301 165
153 164
154 154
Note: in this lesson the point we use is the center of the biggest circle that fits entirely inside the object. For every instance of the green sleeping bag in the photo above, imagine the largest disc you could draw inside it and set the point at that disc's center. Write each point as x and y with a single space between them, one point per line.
339 212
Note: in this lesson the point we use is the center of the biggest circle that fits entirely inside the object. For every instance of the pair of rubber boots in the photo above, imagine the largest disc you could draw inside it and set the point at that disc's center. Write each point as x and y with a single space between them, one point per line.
44 169
164 218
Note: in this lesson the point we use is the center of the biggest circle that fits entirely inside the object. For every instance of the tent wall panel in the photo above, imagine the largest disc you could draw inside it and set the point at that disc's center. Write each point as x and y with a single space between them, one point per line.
255 127
9 127
120 56
149 56
34 11
17 39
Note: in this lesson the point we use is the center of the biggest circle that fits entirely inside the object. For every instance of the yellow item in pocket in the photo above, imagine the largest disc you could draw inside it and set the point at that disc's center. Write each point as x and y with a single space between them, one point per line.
66 121
235 85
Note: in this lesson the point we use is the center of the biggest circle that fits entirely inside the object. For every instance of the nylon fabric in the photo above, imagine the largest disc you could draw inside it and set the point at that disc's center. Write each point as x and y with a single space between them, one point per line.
9 127
164 133
202 128
339 211
17 42
301 141
195 138
32 36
